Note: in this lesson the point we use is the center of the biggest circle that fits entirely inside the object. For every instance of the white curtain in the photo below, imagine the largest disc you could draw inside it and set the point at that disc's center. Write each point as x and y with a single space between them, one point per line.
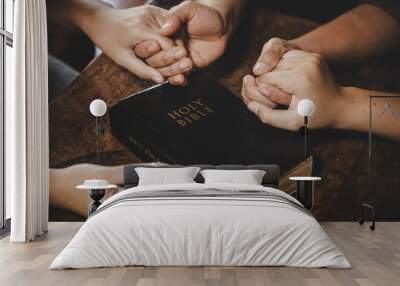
27 124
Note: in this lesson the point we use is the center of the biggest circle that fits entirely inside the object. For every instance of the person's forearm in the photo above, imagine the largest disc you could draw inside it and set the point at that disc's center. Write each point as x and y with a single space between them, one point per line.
74 13
354 114
63 182
231 10
361 33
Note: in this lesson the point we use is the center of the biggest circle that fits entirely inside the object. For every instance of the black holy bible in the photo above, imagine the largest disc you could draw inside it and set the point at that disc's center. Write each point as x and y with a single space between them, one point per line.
202 122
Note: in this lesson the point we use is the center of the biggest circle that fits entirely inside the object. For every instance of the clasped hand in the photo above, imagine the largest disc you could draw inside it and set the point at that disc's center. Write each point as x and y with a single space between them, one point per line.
157 44
283 75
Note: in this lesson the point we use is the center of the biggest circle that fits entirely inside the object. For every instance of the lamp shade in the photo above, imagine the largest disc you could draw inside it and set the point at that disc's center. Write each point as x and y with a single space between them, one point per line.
98 107
305 107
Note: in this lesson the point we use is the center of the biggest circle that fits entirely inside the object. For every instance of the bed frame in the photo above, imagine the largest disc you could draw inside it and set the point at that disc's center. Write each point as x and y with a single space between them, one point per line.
271 177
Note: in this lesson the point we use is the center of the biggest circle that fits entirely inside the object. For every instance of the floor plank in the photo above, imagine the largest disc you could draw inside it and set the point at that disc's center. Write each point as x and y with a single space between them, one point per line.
375 257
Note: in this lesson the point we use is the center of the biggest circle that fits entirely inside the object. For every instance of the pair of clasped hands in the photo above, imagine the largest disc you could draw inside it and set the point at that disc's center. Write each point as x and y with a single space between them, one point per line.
157 44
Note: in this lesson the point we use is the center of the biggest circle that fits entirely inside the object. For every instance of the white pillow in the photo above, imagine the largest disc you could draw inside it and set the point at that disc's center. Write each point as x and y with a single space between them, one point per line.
248 177
165 176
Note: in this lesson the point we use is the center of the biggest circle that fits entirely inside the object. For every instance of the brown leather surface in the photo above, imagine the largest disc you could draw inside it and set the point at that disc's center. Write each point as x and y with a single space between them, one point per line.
340 158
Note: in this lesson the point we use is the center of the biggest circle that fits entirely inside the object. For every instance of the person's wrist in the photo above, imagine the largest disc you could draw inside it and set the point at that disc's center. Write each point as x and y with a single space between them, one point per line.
341 113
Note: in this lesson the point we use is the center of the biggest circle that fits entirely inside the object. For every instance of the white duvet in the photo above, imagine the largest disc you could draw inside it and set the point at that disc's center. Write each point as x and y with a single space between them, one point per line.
200 231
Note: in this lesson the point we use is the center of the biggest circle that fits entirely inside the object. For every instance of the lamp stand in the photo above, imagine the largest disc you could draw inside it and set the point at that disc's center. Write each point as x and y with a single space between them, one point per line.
305 137
369 205
97 140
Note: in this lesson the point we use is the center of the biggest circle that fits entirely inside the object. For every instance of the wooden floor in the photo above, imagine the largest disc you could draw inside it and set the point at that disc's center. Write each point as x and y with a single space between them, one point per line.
375 257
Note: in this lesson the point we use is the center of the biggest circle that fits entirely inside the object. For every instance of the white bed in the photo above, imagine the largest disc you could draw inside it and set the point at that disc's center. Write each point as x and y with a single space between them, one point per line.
183 230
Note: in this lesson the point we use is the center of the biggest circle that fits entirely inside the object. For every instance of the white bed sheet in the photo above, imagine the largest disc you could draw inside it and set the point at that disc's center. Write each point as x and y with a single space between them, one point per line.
200 232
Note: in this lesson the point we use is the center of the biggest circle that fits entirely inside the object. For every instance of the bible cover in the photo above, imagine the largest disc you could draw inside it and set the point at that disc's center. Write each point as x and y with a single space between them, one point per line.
202 122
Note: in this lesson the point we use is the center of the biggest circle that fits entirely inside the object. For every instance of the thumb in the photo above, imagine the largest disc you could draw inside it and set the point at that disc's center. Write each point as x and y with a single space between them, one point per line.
171 26
284 119
177 17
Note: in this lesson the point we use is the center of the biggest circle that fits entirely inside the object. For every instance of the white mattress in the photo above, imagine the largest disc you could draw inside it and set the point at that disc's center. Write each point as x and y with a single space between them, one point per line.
200 232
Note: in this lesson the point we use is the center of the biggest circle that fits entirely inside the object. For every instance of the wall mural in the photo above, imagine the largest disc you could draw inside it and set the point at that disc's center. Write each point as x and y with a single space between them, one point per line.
206 121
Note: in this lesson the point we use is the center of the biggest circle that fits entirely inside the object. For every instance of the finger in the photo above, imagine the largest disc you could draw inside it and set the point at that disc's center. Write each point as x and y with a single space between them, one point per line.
165 43
136 66
253 93
274 94
284 119
147 49
179 67
246 100
287 64
171 26
167 58
287 81
297 54
270 56
179 79
245 83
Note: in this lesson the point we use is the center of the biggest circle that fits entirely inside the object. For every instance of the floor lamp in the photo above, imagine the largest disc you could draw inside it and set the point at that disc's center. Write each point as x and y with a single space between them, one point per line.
305 108
369 205
98 108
